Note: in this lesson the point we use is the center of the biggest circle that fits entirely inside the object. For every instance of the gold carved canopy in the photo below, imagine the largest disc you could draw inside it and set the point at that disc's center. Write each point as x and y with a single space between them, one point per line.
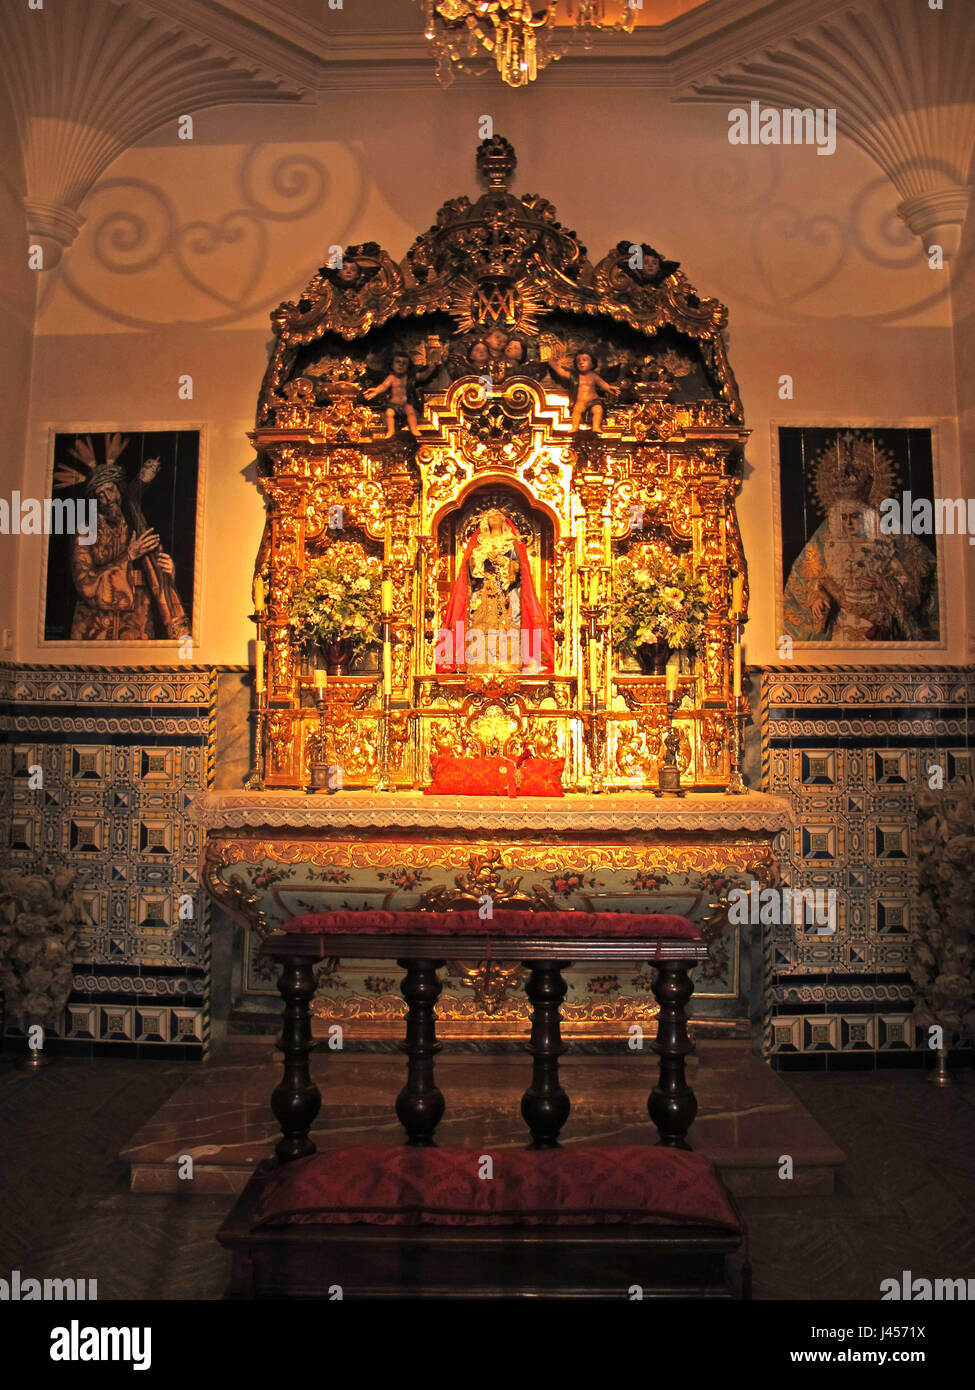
404 405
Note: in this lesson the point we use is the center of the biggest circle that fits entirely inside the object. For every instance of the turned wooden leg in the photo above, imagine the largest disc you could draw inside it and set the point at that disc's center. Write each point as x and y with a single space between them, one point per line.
545 1106
297 1099
672 1104
420 1104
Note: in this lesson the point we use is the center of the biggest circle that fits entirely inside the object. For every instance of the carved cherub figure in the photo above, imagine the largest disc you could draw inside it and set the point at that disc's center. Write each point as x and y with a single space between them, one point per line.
474 362
479 356
354 268
348 275
497 340
587 389
516 359
399 393
649 267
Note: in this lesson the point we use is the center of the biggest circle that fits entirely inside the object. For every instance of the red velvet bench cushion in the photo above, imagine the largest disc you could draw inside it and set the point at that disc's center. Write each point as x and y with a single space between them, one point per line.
577 1185
505 922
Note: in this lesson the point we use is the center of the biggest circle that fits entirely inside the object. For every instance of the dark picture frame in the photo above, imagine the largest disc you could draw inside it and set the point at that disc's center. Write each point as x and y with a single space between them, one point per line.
874 590
157 477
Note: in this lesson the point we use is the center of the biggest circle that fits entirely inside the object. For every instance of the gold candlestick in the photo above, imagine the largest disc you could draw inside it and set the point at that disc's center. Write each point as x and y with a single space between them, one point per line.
385 783
387 621
736 783
255 779
318 764
668 770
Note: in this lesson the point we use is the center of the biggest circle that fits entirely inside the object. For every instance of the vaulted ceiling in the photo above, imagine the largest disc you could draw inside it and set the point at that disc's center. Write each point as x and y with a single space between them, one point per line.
88 78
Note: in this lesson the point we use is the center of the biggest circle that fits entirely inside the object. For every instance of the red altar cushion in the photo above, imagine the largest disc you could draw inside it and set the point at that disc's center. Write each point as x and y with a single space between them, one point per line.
505 922
576 1185
455 776
541 777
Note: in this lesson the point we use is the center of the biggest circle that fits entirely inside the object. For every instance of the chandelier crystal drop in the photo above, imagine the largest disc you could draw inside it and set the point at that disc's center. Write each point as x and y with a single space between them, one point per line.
469 35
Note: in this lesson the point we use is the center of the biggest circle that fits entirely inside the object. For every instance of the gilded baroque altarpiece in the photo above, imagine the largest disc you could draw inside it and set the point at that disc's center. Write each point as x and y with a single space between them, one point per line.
658 477
500 427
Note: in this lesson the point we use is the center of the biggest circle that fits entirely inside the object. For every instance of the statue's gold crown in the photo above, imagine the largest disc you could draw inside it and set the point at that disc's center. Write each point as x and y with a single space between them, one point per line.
851 467
853 480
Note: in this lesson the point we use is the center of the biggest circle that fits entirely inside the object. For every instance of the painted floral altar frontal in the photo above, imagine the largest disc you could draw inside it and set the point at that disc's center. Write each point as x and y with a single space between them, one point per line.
272 856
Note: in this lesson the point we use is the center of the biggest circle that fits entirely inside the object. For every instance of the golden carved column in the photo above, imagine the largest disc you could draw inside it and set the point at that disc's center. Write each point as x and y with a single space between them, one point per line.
287 552
400 487
711 558
593 480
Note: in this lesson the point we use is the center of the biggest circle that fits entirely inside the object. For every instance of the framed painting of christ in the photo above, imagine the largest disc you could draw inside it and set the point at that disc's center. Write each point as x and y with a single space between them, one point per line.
860 540
124 537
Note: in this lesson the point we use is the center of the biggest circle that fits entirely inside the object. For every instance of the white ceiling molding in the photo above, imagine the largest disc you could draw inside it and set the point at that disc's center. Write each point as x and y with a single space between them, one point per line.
87 81
901 78
379 44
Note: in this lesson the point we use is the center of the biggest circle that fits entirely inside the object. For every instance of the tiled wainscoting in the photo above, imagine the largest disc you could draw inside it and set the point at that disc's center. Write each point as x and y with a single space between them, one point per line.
852 746
122 752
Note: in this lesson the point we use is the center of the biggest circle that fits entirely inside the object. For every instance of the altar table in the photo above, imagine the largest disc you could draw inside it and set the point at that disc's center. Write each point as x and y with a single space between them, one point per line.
272 855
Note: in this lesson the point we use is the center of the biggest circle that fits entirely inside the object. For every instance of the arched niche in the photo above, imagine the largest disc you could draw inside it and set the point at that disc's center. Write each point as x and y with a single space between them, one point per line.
536 527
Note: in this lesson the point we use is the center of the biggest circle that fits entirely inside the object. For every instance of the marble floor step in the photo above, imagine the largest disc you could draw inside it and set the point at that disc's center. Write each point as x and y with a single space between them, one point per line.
748 1120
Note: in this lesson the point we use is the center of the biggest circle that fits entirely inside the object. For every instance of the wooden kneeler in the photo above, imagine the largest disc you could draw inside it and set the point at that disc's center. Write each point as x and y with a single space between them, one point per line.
583 1221
550 1220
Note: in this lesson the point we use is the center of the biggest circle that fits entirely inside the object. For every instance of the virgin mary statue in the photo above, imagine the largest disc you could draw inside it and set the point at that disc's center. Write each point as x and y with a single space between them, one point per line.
494 620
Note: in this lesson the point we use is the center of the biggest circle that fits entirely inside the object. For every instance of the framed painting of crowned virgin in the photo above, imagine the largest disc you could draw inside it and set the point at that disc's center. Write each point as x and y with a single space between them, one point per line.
126 570
860 568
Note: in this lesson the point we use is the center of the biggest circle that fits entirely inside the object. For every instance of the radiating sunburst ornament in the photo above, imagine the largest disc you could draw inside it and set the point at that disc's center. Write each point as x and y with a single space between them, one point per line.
485 303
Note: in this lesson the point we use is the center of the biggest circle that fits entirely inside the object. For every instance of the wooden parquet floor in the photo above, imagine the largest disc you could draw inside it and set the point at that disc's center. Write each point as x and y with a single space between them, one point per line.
905 1198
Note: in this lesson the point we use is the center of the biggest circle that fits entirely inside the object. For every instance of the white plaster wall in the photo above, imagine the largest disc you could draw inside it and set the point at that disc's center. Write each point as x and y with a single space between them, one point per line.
18 287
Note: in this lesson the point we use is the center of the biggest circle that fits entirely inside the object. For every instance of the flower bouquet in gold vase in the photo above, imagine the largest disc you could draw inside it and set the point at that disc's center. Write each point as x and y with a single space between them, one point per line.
660 605
335 609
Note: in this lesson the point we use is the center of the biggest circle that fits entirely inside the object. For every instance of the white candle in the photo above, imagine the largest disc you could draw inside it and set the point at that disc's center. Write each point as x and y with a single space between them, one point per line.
387 595
320 678
258 594
259 666
671 678
738 594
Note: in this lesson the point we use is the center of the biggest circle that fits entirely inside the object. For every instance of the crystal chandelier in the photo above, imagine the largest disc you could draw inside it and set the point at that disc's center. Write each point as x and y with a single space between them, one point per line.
469 34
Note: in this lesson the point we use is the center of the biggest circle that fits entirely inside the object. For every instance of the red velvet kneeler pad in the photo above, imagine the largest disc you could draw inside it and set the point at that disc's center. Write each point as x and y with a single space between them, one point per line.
575 1185
504 922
